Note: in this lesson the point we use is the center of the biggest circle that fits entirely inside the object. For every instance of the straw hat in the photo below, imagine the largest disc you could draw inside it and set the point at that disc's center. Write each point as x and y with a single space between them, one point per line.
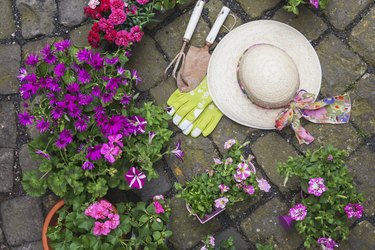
256 70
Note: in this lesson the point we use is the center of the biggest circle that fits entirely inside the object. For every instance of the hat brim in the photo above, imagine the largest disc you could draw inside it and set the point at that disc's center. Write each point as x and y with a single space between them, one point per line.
222 69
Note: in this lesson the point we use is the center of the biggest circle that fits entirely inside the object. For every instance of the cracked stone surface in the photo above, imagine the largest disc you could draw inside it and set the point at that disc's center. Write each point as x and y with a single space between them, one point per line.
256 8
30 246
79 35
161 93
37 17
7 25
7 124
26 162
6 169
361 237
10 57
238 240
71 12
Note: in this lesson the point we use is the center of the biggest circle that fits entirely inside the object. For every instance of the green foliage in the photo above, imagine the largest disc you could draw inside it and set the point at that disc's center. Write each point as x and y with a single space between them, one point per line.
292 5
140 228
210 244
201 192
164 5
264 246
325 214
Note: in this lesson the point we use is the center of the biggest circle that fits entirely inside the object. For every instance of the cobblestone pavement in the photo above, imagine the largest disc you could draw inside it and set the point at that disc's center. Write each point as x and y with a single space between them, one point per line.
344 37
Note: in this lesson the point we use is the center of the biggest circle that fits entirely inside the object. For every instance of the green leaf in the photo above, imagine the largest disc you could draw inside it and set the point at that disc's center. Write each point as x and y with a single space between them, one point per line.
156 235
32 184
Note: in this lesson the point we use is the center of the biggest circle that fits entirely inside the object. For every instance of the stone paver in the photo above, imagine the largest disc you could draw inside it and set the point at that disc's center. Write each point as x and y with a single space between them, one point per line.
30 246
7 26
363 36
157 186
198 158
22 220
10 57
263 225
37 17
190 231
306 22
342 12
1 235
281 150
363 104
240 208
340 66
361 237
161 93
255 8
213 8
149 62
26 162
361 166
79 35
48 201
7 124
36 46
71 11
170 37
6 169
238 240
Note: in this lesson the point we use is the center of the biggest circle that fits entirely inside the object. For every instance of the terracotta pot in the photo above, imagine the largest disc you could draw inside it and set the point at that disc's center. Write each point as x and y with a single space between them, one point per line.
50 220
206 217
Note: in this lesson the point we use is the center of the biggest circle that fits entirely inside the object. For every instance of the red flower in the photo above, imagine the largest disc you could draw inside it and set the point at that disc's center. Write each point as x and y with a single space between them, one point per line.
123 38
136 34
117 17
104 6
105 25
110 36
94 39
117 4
93 13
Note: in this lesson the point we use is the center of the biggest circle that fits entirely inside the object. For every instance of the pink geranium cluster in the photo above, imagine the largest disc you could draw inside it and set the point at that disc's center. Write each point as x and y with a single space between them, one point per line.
113 22
106 219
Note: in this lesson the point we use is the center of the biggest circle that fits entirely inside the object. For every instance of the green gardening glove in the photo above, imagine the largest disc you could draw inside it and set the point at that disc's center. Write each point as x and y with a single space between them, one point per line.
186 108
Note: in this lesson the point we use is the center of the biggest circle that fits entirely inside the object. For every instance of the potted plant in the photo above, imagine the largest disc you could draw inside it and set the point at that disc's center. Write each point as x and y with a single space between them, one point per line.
209 244
119 22
101 225
92 136
323 217
292 5
230 180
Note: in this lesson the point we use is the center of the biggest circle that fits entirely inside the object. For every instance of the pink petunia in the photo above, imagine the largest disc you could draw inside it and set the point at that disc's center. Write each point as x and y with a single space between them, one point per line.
298 212
110 152
223 188
135 178
221 202
158 208
228 144
243 170
249 189
116 139
263 185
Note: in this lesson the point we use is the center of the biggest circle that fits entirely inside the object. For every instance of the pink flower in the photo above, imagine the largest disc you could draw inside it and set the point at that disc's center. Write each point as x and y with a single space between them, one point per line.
117 4
263 185
228 144
136 34
142 2
303 136
243 170
135 178
158 197
212 240
328 243
117 17
105 25
93 3
122 38
315 3
97 211
298 212
237 178
228 161
158 208
316 186
110 152
101 229
330 157
249 189
114 221
221 202
217 161
115 139
223 188
353 210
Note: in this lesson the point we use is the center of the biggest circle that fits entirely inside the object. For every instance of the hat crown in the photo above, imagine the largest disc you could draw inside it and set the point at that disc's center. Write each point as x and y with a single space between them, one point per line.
268 75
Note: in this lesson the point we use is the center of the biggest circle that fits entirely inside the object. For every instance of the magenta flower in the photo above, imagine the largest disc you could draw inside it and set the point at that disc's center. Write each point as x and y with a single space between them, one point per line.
264 185
83 55
120 70
243 171
47 54
25 119
111 61
217 161
151 136
298 212
73 87
113 222
116 139
110 152
62 45
139 124
32 59
328 243
117 17
353 210
228 144
98 210
101 229
237 178
44 154
59 70
84 76
316 186
330 158
136 77
223 188
221 202
88 165
65 138
93 153
249 189
135 178
42 125
22 75
315 3
80 125
178 151
142 2
158 208
105 25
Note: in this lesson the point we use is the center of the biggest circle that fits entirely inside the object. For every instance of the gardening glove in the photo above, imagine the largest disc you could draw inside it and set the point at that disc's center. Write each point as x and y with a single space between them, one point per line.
187 107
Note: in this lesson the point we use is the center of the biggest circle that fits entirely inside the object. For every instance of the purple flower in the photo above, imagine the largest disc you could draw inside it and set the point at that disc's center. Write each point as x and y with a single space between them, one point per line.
113 125
264 185
57 113
298 212
116 139
84 76
217 161
126 99
81 124
112 84
136 77
107 97
96 61
32 59
22 75
62 45
139 124
221 202
315 3
243 171
42 125
135 178
87 165
84 55
59 70
111 61
44 154
73 87
47 54
110 152
178 151
228 144
316 186
223 188
353 210
120 70
96 91
151 136
93 153
249 189
25 119
328 243
65 138
330 157
84 99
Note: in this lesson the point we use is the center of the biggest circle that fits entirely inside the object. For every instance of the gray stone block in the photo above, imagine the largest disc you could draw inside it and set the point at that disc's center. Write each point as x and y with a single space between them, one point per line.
10 58
71 11
22 220
239 242
79 35
7 125
6 169
26 162
30 246
256 8
7 25
361 237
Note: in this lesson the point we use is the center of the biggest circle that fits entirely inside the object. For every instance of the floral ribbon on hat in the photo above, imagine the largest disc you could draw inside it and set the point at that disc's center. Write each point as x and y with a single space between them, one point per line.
331 110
